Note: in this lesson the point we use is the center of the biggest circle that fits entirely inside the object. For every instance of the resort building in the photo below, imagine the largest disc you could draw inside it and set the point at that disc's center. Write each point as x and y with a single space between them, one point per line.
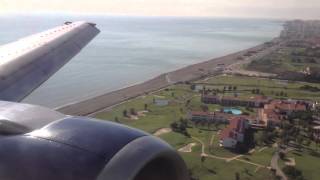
277 110
269 118
254 102
209 116
234 133
161 102
287 107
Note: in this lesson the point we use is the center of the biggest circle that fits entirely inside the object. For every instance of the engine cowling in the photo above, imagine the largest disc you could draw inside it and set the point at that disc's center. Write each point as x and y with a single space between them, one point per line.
85 149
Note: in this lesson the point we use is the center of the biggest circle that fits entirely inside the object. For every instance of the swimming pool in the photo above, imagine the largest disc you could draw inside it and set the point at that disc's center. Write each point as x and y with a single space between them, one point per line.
233 111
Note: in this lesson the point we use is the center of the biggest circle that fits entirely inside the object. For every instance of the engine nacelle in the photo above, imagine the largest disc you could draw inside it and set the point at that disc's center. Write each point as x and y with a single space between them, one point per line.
81 148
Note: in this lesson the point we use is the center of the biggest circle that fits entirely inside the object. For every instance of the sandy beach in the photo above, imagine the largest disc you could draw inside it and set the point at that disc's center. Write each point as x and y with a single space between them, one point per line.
189 73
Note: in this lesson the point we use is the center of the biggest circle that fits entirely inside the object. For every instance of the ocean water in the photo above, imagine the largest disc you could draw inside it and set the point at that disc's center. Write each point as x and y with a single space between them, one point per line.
130 50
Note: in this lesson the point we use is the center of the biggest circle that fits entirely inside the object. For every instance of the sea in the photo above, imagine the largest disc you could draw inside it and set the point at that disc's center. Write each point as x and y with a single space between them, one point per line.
131 50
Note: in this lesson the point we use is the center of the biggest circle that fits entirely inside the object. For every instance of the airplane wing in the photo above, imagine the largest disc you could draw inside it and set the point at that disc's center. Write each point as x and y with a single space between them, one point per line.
38 143
28 62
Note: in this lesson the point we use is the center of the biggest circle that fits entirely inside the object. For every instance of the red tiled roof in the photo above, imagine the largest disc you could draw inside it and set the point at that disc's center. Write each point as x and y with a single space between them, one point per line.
227 133
291 106
286 106
236 126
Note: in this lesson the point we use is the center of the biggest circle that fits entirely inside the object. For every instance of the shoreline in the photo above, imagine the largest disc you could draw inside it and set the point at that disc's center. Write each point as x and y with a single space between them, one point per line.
192 72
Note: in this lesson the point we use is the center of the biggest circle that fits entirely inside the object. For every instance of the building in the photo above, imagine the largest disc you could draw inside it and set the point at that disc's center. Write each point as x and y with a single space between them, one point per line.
161 102
209 116
254 102
234 133
269 118
287 107
277 110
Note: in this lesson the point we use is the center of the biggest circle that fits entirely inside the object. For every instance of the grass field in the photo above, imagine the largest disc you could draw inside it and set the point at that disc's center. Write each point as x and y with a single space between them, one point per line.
221 170
269 87
284 60
307 160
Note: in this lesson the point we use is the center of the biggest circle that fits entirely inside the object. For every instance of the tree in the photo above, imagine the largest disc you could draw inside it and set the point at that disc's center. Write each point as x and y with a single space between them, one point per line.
282 155
257 91
205 108
292 172
125 113
174 126
237 175
133 111
299 141
203 159
258 138
116 119
188 102
193 87
281 93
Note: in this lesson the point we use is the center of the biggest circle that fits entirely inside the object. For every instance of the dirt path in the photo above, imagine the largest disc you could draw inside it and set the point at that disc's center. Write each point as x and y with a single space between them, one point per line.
275 165
187 148
162 131
212 138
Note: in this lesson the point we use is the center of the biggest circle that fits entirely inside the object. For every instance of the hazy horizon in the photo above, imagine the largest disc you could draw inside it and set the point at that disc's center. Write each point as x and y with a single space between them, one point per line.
285 9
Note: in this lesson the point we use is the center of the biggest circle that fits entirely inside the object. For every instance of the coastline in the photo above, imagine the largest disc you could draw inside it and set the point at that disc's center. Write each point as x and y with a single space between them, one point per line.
106 101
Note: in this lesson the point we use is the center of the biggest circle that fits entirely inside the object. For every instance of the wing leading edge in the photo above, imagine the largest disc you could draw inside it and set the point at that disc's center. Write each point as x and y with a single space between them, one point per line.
28 62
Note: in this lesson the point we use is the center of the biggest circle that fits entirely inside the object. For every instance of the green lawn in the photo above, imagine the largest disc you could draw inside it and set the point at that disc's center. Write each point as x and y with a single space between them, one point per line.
213 169
159 116
269 87
263 157
308 161
283 61
176 140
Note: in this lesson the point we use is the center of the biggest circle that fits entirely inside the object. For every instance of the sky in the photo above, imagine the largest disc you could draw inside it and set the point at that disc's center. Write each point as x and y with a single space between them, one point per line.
282 9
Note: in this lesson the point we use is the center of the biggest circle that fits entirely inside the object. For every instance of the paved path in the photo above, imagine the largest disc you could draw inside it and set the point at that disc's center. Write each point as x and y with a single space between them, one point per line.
212 138
274 165
162 131
187 148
